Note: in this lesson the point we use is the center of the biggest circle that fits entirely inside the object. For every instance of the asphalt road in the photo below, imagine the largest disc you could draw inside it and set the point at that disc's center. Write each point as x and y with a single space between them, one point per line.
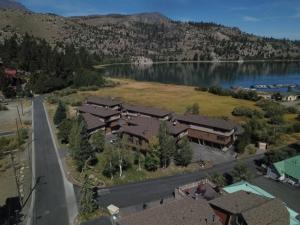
143 192
50 205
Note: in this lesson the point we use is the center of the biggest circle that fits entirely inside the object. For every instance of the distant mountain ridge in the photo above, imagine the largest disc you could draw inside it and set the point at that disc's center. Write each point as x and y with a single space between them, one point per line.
150 18
120 38
11 4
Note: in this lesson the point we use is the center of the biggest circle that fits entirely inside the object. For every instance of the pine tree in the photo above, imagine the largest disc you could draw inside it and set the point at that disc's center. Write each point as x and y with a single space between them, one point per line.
184 153
88 202
152 160
167 145
98 141
81 149
240 172
60 113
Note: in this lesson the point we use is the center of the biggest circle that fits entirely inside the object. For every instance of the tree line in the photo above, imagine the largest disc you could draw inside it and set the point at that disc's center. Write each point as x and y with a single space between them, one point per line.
48 68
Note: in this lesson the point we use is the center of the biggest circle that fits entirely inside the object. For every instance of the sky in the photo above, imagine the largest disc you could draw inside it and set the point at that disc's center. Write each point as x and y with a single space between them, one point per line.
270 18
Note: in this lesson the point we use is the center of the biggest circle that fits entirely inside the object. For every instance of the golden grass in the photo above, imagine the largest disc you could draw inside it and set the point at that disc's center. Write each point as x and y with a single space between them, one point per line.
171 97
290 118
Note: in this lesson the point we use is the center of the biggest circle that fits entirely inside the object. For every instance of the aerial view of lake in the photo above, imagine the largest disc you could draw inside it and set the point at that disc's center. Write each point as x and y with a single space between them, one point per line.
246 75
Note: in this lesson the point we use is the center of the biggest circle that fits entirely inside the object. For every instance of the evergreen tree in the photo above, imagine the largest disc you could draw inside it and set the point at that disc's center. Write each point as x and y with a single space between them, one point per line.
111 162
184 152
152 160
88 202
218 180
60 113
98 141
193 109
81 149
240 172
64 130
166 144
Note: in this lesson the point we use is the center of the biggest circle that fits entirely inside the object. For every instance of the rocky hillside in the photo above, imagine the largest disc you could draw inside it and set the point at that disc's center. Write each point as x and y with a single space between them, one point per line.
121 37
13 5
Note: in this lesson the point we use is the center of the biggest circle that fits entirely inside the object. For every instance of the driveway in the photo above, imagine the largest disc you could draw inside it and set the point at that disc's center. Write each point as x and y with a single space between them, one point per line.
206 153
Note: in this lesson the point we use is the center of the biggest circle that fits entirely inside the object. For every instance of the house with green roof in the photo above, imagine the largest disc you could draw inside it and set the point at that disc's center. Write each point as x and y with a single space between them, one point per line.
287 170
247 187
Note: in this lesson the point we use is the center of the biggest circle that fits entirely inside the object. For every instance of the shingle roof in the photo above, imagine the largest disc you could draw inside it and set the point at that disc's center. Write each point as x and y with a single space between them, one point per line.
273 212
205 121
92 122
255 209
103 101
149 127
180 212
97 111
238 202
146 110
290 166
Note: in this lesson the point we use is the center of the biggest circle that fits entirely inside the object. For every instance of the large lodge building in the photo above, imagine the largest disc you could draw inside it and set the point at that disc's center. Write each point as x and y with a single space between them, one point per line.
140 124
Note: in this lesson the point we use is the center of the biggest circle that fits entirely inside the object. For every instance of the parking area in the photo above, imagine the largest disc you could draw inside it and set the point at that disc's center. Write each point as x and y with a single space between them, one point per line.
287 193
206 153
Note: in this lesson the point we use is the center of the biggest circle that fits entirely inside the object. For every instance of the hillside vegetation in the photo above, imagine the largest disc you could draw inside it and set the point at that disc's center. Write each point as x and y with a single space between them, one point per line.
121 37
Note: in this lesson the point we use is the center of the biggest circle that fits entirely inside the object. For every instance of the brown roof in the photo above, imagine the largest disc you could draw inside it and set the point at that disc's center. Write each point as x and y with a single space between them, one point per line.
255 209
97 111
103 101
205 121
146 110
238 202
148 127
179 212
92 122
273 212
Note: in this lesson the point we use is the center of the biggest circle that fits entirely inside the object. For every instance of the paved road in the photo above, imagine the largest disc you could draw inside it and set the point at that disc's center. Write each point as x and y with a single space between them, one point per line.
50 205
137 193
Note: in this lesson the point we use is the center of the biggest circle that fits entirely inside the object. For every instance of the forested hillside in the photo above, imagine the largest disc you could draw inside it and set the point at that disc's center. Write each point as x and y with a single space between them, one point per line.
45 68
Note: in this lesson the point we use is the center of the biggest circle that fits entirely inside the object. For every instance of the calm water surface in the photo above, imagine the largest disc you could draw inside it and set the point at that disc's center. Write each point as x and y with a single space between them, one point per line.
207 74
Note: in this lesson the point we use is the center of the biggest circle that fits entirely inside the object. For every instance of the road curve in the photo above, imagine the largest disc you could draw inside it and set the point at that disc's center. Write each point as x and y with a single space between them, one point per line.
142 192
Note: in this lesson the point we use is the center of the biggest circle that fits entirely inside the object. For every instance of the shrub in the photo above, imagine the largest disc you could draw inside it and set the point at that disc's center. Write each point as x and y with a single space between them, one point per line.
76 103
27 122
52 99
242 111
89 88
205 89
292 110
60 113
3 107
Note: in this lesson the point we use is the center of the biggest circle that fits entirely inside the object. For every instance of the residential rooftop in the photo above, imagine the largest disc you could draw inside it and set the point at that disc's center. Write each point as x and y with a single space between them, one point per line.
97 111
290 167
92 122
205 121
179 212
150 111
245 186
255 209
148 127
103 101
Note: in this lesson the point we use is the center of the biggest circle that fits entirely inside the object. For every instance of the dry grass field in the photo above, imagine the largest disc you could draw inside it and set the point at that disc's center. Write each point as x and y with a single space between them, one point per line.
171 97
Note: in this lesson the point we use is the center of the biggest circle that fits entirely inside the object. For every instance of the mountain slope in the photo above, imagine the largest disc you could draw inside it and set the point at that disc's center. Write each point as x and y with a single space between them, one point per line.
121 37
11 4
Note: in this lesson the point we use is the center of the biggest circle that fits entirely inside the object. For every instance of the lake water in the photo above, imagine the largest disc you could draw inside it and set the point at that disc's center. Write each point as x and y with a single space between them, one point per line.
207 74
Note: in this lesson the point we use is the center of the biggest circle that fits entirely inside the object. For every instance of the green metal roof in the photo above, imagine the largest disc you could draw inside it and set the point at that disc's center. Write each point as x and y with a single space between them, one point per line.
245 186
290 167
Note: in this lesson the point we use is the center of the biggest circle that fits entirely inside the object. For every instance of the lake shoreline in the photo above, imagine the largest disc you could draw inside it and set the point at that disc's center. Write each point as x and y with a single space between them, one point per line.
101 66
